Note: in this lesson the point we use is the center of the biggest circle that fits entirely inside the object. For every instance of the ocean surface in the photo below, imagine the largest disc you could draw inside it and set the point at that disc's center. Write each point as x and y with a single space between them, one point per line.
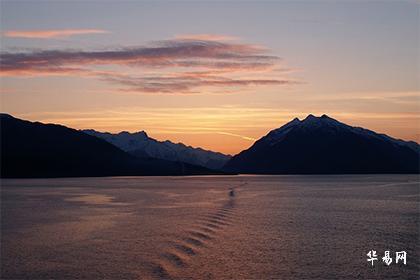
274 227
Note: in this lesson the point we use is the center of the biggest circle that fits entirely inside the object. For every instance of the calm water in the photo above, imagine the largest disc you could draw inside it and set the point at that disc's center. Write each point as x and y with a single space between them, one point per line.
276 227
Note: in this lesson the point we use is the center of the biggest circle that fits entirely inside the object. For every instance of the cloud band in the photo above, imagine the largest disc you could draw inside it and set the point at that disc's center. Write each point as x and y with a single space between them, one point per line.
180 65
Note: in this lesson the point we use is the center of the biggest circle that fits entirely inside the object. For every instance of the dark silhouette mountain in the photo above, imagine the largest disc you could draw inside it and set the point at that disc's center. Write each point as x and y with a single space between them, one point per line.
33 149
140 144
322 145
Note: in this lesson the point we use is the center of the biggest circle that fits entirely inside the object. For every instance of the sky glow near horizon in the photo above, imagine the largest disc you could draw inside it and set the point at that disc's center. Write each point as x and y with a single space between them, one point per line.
212 74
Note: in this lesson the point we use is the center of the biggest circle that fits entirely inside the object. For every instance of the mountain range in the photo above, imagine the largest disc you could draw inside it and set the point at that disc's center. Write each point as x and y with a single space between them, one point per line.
314 145
33 149
323 145
139 144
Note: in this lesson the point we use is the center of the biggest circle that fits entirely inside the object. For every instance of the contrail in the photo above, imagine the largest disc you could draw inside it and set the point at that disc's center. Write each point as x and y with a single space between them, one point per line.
237 135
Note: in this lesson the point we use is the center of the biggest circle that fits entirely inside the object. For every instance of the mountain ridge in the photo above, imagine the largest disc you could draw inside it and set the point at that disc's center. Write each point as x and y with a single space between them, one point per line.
308 147
141 145
311 118
33 149
314 145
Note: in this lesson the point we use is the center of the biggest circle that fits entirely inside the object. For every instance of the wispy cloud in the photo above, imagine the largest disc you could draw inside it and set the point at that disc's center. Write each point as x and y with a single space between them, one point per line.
187 83
50 33
208 37
180 65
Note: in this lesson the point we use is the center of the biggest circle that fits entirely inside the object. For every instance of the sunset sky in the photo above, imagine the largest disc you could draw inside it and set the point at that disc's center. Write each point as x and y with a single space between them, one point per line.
217 75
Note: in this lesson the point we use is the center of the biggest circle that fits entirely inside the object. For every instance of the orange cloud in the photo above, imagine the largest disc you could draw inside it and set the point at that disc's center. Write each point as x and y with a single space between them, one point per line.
53 33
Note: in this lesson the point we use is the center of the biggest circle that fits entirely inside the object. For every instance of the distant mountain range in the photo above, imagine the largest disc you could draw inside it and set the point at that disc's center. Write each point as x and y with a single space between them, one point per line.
322 145
33 149
139 144
315 145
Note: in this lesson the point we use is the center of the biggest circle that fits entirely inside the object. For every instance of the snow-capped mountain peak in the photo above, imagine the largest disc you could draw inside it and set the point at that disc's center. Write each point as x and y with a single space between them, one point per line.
141 145
317 145
315 124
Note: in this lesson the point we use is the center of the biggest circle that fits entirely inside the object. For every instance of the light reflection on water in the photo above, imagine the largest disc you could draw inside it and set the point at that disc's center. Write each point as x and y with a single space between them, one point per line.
275 227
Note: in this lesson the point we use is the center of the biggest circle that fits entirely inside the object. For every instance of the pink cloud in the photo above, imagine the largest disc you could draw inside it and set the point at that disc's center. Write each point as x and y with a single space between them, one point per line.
182 65
52 33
